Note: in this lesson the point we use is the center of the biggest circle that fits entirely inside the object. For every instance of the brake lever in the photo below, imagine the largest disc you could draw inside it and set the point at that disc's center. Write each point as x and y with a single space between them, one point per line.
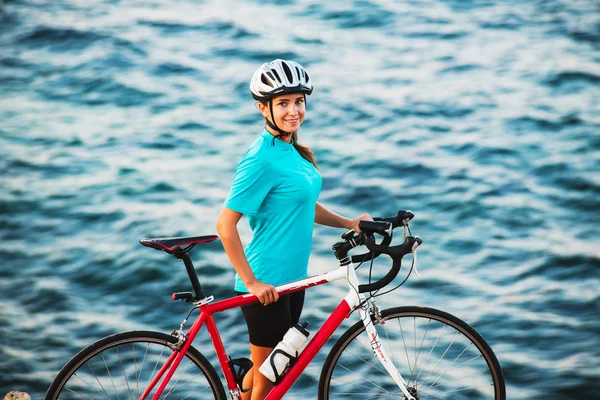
414 253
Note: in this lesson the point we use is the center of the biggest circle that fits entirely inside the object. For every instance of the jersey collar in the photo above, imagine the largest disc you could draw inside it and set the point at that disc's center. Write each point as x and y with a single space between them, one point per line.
277 143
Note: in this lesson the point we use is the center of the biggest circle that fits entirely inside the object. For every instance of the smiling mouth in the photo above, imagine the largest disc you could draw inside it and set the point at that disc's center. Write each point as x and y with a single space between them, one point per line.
291 121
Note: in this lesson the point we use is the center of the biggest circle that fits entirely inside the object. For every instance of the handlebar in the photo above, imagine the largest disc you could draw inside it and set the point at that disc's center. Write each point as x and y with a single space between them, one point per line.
384 227
396 253
403 217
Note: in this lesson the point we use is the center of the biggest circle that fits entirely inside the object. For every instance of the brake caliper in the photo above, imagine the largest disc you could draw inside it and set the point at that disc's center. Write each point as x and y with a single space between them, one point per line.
376 314
179 335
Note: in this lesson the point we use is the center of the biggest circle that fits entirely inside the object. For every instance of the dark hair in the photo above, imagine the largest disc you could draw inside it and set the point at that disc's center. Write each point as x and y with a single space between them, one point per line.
304 151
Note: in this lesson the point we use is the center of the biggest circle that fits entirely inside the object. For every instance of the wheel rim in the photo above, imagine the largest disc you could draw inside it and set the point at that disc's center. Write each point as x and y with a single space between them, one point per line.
122 370
438 358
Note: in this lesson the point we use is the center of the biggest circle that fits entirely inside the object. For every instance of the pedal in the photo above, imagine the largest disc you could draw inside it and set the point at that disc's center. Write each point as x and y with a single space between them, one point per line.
240 367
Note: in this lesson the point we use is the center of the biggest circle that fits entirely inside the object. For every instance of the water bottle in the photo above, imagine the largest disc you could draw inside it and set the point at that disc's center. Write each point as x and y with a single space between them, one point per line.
284 353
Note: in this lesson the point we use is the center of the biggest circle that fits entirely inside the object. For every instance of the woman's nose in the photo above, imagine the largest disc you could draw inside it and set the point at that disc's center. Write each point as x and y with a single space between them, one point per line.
293 109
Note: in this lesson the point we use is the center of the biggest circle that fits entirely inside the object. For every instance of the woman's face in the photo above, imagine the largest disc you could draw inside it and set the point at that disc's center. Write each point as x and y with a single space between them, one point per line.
288 111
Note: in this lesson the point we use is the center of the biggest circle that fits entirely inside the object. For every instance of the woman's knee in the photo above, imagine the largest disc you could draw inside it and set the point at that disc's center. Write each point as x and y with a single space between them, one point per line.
261 386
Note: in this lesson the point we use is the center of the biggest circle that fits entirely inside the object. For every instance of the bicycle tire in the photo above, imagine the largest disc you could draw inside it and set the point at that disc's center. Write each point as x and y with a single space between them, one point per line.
120 366
457 363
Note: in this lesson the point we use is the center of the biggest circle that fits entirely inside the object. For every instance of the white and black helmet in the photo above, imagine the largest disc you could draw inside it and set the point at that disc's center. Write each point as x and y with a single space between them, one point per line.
279 77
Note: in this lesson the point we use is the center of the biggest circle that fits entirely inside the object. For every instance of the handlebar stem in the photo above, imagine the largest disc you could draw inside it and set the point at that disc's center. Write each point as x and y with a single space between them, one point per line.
341 249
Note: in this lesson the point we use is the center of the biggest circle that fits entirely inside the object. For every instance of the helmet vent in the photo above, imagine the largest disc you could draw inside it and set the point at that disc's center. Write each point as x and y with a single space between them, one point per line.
276 74
288 72
264 80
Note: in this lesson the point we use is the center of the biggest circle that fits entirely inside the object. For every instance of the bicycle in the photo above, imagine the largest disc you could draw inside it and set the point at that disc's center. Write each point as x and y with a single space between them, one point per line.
440 355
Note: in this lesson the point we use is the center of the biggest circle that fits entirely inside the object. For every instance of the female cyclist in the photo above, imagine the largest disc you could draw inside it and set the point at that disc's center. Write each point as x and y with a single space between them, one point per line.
276 186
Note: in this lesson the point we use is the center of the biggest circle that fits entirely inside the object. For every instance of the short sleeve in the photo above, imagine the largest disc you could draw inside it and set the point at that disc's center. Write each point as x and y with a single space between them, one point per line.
250 186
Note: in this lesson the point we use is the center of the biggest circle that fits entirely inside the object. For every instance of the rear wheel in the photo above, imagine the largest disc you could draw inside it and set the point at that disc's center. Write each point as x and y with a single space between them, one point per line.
122 365
438 355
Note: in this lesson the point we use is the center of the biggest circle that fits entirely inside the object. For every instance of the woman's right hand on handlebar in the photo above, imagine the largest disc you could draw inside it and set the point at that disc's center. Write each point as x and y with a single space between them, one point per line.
266 293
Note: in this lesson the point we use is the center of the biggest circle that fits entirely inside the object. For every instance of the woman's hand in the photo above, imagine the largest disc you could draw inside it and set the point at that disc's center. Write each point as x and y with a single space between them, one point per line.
354 222
266 293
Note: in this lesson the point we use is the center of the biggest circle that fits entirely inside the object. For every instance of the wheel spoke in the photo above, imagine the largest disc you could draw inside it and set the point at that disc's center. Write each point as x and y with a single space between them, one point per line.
173 384
361 386
195 393
431 351
120 367
470 388
156 365
449 368
124 374
376 366
142 367
98 380
405 346
421 348
415 343
465 377
79 395
110 377
137 382
96 390
443 356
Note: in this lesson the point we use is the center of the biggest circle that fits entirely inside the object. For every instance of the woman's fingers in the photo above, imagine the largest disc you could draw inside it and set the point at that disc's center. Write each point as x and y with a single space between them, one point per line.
266 293
356 221
267 298
271 295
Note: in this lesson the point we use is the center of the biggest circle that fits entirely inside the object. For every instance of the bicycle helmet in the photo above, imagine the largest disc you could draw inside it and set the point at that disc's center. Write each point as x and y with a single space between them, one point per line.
279 77
276 78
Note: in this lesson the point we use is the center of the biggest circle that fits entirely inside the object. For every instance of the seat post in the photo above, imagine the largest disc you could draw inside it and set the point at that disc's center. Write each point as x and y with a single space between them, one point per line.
189 266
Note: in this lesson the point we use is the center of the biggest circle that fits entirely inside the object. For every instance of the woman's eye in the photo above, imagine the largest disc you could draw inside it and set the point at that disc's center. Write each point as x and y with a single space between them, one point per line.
283 104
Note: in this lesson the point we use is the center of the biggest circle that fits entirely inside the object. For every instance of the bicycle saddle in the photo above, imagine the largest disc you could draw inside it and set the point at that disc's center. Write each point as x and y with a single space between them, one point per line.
171 244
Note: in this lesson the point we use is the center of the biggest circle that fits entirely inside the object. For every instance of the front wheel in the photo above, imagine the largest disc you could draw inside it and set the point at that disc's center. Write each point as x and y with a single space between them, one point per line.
121 366
438 355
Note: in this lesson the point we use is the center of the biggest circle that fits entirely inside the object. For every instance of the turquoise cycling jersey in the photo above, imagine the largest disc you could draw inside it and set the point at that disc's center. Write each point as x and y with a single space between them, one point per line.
277 190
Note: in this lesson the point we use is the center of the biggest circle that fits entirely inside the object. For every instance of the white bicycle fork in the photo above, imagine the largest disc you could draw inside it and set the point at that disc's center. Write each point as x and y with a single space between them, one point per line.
354 299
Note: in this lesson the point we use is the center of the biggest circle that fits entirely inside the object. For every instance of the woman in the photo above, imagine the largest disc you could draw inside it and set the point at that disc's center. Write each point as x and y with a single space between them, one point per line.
276 185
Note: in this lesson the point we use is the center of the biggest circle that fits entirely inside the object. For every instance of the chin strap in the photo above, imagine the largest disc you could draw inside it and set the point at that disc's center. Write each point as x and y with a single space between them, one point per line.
282 134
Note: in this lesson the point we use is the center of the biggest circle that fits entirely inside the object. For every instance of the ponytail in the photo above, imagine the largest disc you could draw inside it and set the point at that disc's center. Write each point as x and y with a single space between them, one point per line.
304 151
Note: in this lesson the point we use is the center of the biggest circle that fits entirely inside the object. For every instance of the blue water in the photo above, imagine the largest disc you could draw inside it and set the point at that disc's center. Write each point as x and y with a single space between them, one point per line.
125 119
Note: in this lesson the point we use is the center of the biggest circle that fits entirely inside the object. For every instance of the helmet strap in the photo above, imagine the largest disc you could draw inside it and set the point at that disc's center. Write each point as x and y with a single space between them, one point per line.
283 134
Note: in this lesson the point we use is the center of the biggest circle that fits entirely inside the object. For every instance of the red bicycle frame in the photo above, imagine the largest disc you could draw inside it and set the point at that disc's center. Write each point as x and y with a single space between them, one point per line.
207 309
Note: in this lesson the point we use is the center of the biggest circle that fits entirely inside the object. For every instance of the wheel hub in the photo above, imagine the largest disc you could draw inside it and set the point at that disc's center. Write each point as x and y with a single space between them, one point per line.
413 392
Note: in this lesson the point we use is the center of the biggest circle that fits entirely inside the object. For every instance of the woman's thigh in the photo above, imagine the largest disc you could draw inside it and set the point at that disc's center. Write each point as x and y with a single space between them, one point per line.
268 324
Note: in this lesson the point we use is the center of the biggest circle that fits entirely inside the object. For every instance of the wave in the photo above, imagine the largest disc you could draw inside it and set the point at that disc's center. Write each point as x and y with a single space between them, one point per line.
560 79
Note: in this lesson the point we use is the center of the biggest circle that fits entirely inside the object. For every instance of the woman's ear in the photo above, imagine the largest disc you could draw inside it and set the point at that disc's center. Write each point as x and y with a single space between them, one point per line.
263 108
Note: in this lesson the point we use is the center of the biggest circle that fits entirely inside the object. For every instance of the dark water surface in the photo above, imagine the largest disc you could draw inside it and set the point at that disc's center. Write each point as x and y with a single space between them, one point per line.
125 119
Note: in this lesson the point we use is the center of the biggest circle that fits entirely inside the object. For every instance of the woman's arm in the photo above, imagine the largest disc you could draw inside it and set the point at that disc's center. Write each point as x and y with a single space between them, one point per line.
230 237
324 216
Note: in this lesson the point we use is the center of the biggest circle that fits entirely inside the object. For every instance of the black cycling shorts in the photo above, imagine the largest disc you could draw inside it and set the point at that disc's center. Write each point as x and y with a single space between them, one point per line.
268 324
